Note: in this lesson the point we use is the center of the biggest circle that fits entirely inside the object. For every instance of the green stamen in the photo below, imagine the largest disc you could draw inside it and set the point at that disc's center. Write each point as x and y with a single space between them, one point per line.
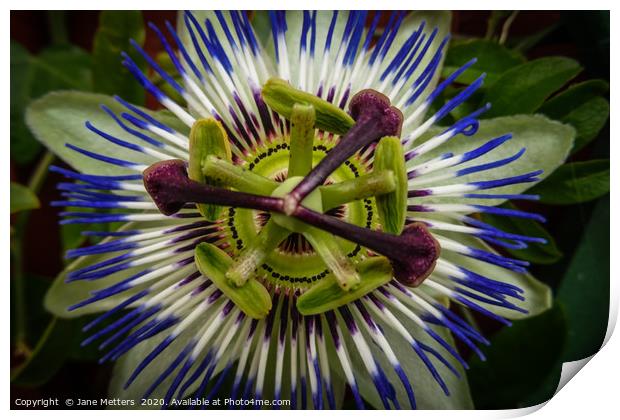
365 186
333 195
392 207
233 176
333 256
282 97
256 252
252 298
327 294
207 137
323 243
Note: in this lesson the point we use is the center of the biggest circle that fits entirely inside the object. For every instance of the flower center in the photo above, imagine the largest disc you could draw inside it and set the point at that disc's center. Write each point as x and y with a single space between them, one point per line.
309 164
294 262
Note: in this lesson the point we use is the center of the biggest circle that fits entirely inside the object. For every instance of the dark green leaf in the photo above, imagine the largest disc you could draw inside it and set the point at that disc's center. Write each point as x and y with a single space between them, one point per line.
575 182
492 59
537 253
519 359
35 317
22 198
116 28
564 103
23 146
584 291
584 295
523 89
48 355
588 119
61 68
65 67
583 106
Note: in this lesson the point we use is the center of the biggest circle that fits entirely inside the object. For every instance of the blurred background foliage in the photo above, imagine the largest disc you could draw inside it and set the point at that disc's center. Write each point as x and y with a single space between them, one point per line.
535 63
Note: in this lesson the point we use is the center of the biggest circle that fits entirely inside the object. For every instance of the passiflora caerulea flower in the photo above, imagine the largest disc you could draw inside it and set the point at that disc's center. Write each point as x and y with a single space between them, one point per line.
297 221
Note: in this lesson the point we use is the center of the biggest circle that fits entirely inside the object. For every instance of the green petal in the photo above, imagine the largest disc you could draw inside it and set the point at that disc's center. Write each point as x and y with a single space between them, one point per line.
61 295
428 394
441 20
536 253
547 145
538 296
125 366
58 118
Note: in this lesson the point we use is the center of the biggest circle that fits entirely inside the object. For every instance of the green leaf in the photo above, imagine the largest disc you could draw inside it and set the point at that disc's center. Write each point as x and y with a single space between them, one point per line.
589 118
536 253
538 296
547 145
116 28
583 106
565 102
524 88
585 288
492 59
575 182
22 198
518 361
32 76
28 318
48 355
58 118
584 296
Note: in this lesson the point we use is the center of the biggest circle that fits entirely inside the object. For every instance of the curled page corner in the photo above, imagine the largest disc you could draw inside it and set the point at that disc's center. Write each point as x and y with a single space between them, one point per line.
569 370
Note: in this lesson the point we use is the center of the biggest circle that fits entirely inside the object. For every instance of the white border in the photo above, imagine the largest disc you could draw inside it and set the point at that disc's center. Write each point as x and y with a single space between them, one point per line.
592 394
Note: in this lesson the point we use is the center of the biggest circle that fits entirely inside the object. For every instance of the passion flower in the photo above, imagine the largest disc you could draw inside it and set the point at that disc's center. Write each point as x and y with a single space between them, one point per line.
295 231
